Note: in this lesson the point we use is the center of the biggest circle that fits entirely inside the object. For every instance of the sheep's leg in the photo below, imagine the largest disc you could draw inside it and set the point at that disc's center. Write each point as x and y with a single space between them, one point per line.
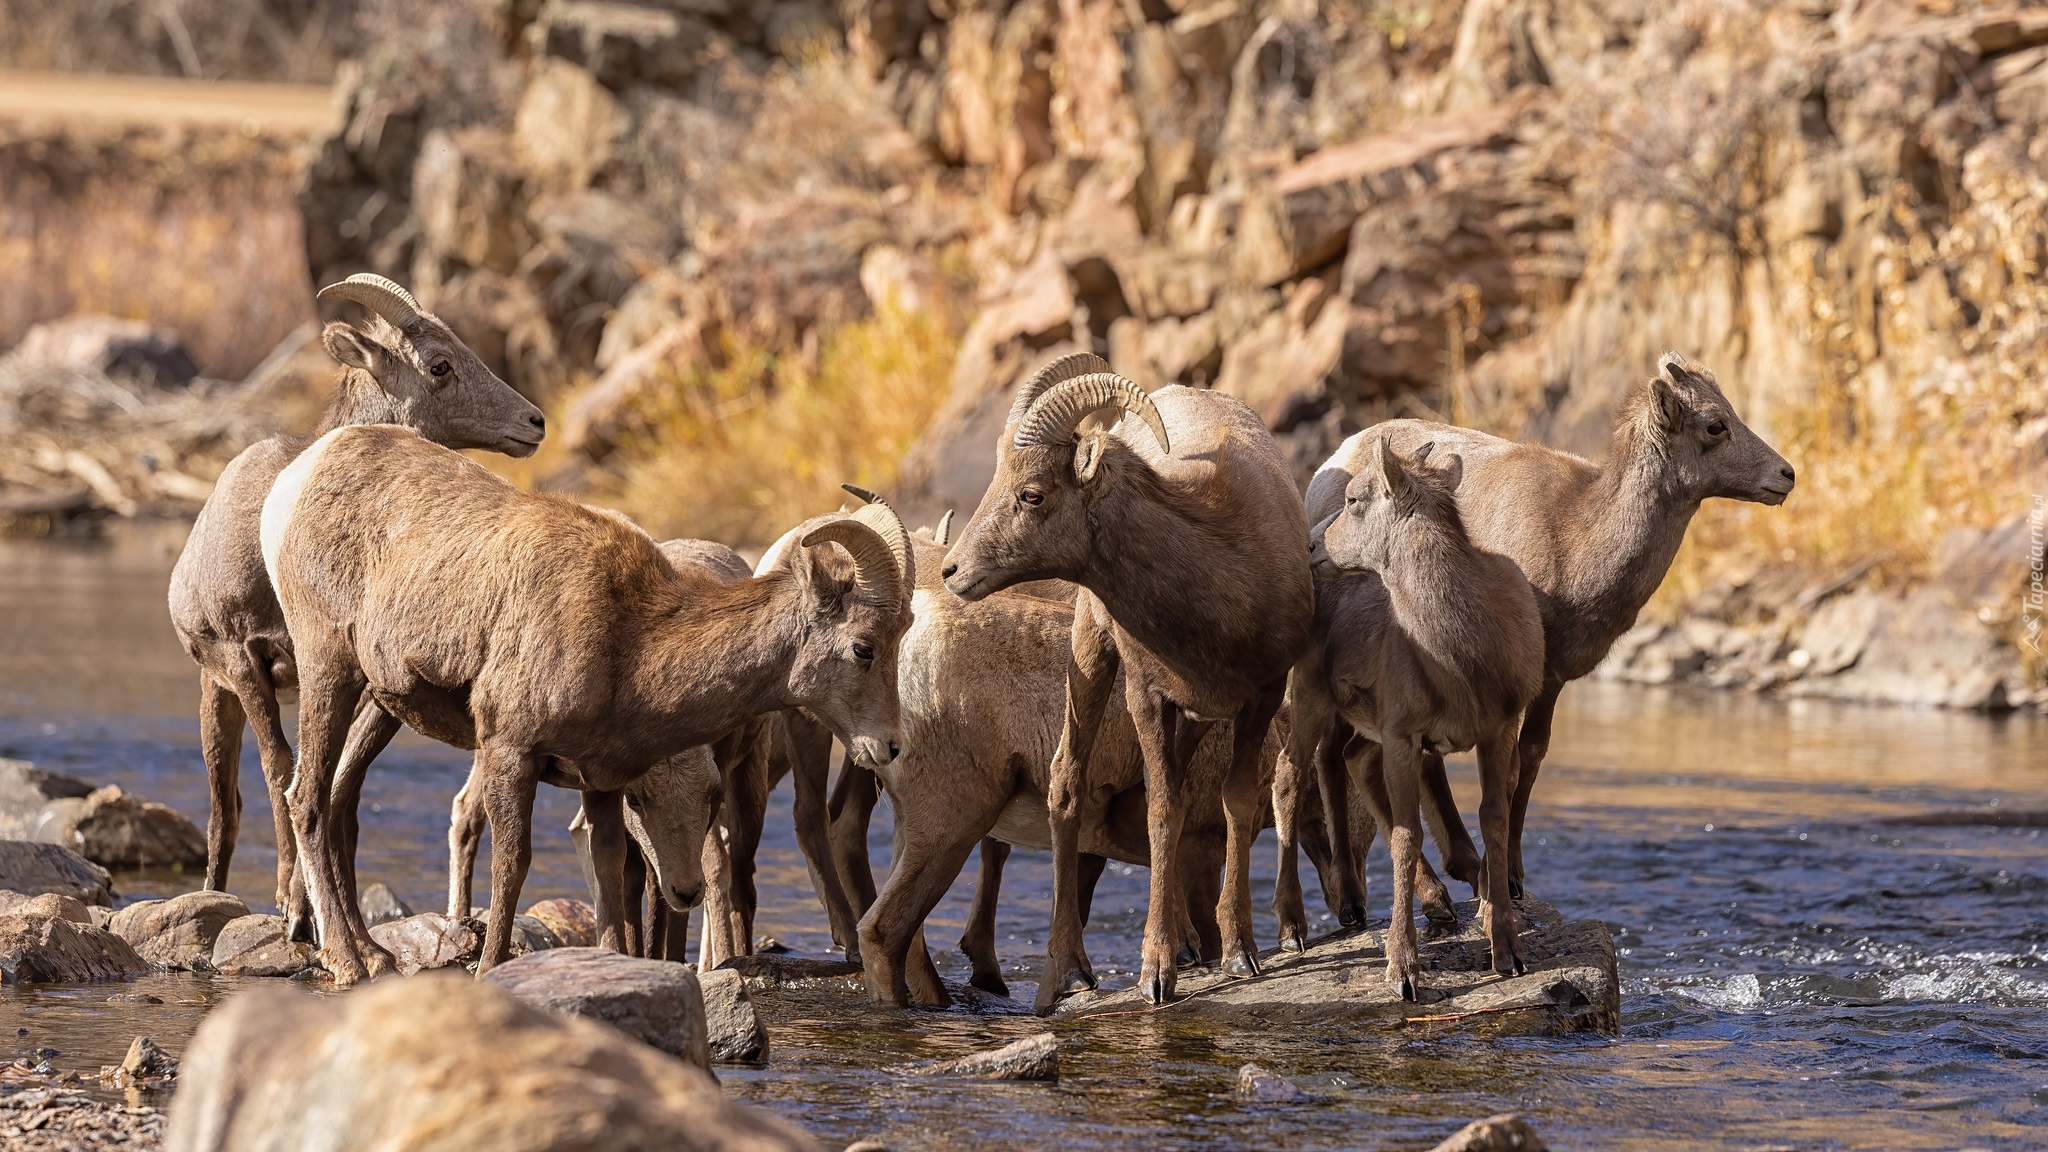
1202 874
1158 726
510 778
978 943
1497 787
1091 674
1313 712
1241 797
715 947
814 837
1461 857
1532 747
1401 816
748 781
220 744
465 839
327 697
368 736
1087 876
1347 855
253 686
851 808
608 850
922 866
639 939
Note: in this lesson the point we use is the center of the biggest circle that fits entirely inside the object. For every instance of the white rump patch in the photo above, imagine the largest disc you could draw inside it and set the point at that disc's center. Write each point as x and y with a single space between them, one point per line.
284 500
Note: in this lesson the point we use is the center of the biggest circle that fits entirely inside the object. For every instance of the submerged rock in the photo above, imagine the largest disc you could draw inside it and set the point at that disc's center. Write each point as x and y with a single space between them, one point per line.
1571 985
776 969
259 946
428 940
34 869
1257 1085
654 1001
49 949
147 1060
381 905
179 932
1032 1058
572 922
732 1027
1506 1132
446 1063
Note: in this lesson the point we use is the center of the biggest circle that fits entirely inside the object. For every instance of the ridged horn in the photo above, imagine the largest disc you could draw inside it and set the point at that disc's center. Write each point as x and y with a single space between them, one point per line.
1065 368
943 534
883 519
877 574
379 295
1054 417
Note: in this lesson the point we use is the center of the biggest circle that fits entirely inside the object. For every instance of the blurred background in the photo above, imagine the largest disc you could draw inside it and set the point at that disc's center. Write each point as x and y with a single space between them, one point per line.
742 251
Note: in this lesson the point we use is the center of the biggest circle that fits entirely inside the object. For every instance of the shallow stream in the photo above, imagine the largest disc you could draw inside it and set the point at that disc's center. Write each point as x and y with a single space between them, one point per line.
1795 972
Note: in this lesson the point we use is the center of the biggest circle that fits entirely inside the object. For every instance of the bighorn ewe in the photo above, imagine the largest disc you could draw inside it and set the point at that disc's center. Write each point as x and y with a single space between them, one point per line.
1185 533
1593 540
1430 644
557 642
403 367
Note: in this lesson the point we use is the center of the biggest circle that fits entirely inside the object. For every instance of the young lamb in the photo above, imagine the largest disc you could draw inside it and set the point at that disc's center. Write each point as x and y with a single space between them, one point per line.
1185 533
1593 540
1429 643
558 642
402 367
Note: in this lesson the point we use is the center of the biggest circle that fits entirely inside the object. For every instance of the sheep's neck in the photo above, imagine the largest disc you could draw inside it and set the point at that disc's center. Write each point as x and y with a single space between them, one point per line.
1635 519
358 399
711 661
1434 579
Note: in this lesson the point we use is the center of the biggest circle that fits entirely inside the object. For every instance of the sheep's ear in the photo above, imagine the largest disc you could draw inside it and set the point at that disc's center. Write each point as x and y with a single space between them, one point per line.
352 348
1451 467
1088 455
1666 404
1393 474
820 586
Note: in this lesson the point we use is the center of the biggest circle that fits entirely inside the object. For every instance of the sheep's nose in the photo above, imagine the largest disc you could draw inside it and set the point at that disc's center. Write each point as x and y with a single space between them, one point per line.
687 897
948 570
539 422
1786 472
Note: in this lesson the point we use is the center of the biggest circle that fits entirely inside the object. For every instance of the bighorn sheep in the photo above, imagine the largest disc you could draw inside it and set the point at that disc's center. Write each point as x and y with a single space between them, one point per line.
558 642
1429 643
403 367
1593 540
1185 533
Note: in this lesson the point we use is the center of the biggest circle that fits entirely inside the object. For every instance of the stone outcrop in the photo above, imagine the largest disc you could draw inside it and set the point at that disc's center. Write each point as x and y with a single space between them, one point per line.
179 932
105 825
654 1001
447 1063
38 948
35 868
1572 985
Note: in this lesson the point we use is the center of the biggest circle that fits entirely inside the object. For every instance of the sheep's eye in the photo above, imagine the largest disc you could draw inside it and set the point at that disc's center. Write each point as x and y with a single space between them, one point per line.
1031 496
863 651
632 802
1717 428
441 368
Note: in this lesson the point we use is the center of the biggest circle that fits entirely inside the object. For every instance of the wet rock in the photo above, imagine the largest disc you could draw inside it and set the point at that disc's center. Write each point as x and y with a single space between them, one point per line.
180 932
33 869
573 923
654 1001
1503 1133
777 969
1257 1085
48 904
49 949
26 791
1571 985
259 946
120 349
1032 1058
530 935
381 905
442 1062
733 1029
117 830
428 940
147 1060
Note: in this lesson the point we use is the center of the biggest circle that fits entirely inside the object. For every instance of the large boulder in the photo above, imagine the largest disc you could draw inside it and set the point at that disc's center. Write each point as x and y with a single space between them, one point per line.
179 932
442 1063
48 904
33 869
570 921
428 940
259 946
117 830
51 949
654 1001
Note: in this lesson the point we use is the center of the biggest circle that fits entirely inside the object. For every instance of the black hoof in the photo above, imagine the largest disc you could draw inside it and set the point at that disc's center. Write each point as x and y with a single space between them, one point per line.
991 984
1188 956
1514 888
1408 989
1291 941
1158 990
300 931
1077 981
1243 965
1521 969
1442 913
1352 916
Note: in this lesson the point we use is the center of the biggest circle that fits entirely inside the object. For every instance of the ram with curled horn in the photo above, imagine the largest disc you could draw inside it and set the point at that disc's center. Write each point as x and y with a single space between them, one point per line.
1186 535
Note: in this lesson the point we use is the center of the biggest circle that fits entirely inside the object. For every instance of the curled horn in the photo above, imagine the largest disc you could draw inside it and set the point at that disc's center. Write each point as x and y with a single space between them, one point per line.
878 516
1065 368
943 534
877 579
379 295
1053 418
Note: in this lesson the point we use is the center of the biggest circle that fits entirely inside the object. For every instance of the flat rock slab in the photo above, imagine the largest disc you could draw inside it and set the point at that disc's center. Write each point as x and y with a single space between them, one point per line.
776 969
656 1002
33 869
1032 1058
428 940
1571 985
52 950
259 946
180 932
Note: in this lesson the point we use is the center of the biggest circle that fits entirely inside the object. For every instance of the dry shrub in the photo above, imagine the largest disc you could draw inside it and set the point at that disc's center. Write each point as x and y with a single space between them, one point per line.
744 452
296 41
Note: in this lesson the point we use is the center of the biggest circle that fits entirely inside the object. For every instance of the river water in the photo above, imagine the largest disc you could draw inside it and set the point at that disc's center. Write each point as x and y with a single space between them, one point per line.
1797 973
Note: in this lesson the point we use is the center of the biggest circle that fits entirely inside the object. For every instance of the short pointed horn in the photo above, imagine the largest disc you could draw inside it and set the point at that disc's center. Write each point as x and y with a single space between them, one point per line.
379 295
943 534
1065 368
877 579
1054 417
